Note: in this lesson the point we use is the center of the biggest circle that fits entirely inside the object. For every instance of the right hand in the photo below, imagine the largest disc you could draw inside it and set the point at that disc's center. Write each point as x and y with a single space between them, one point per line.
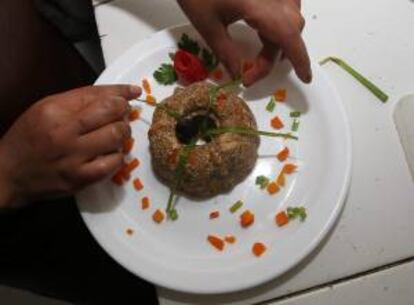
65 142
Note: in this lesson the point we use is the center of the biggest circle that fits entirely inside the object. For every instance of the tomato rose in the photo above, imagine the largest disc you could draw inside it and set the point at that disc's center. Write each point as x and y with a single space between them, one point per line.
189 68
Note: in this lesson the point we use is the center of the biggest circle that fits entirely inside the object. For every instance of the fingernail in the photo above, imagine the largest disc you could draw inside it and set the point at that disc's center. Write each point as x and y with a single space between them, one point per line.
135 90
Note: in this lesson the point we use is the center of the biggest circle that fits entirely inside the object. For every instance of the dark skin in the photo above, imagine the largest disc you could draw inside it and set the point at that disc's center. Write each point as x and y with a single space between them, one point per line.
67 141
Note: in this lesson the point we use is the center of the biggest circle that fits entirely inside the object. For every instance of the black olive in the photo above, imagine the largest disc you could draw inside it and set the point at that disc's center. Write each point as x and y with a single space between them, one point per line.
192 128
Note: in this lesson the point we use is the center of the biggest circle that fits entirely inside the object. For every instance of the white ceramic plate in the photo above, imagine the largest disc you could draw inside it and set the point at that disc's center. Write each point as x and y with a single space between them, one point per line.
176 254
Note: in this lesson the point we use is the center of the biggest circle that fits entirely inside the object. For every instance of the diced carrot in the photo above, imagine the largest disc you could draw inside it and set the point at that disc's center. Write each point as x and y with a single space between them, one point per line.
276 123
272 188
216 242
134 115
214 214
289 168
247 65
129 167
230 239
146 85
281 179
128 144
151 100
145 203
217 74
281 219
280 95
129 231
158 216
283 155
246 219
118 178
258 249
138 184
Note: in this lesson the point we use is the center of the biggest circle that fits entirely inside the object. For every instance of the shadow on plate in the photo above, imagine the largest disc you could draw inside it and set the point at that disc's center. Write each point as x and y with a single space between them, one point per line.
97 201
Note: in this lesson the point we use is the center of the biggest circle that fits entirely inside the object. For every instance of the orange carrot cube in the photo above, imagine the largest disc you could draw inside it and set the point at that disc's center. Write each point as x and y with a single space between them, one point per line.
281 219
146 85
134 115
145 203
283 155
138 184
272 188
246 219
151 100
276 123
230 239
280 95
158 216
216 242
289 168
214 215
258 249
128 145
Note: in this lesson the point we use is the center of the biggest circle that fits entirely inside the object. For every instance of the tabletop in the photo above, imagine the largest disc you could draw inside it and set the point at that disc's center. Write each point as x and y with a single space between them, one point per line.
371 240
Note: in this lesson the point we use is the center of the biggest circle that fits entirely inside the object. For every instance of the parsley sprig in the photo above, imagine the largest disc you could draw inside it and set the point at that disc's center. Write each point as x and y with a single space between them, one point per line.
165 74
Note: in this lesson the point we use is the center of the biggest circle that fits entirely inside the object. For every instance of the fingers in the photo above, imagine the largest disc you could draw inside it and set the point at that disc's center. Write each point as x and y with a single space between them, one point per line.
100 168
219 40
101 112
294 49
108 139
80 98
127 92
262 64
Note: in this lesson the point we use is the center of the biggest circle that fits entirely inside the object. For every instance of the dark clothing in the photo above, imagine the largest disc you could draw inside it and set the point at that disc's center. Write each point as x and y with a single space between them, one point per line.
46 248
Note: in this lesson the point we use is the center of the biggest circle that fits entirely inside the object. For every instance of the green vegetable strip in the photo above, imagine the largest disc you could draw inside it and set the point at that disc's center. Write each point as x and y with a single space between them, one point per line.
295 114
382 96
271 105
171 211
295 125
262 181
250 131
236 206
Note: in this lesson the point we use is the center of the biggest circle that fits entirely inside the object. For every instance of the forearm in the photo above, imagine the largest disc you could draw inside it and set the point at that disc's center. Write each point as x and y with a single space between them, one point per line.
8 194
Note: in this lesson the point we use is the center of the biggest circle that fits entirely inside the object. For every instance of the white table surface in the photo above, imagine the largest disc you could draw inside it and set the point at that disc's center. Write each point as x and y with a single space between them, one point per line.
376 225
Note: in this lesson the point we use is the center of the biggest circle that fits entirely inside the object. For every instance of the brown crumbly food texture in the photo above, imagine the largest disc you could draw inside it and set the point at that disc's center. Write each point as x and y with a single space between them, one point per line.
214 167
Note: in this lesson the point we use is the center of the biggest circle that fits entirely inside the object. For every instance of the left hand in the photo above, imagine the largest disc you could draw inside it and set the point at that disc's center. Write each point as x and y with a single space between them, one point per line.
278 23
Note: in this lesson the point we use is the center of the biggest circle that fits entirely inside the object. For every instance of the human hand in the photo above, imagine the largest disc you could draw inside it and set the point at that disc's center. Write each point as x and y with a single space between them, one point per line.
65 142
278 23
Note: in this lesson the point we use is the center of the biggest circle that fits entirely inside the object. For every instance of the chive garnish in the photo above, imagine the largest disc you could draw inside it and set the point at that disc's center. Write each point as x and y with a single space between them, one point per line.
295 125
236 206
295 114
250 131
271 105
381 95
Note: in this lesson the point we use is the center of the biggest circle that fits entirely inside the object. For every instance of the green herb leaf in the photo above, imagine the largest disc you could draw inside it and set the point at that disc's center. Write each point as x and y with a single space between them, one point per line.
262 181
271 105
236 206
297 212
295 114
295 125
173 214
165 74
188 44
250 131
210 61
382 96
